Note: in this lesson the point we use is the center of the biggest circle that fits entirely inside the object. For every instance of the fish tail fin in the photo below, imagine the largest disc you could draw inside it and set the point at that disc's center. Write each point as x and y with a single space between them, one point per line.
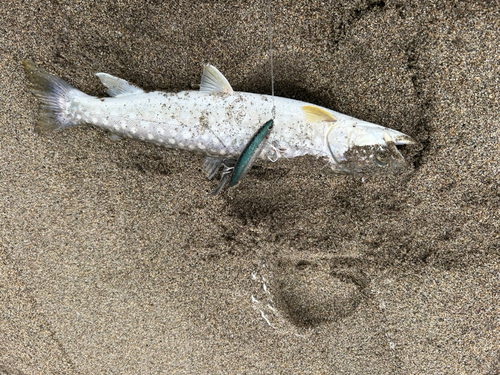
54 95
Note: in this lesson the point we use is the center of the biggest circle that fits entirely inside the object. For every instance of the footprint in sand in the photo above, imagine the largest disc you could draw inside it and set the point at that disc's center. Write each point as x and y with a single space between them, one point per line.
295 296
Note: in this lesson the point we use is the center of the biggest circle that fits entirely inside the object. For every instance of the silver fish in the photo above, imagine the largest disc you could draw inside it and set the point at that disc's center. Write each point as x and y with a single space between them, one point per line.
218 122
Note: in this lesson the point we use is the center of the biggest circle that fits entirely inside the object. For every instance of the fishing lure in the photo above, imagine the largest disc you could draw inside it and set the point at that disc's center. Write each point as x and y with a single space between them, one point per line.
237 169
250 153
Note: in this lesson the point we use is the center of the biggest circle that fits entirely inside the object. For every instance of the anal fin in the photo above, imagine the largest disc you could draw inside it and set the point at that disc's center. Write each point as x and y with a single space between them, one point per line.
114 137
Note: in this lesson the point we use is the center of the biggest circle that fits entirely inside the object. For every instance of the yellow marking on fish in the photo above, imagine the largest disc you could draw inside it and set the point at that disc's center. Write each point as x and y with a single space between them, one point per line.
316 114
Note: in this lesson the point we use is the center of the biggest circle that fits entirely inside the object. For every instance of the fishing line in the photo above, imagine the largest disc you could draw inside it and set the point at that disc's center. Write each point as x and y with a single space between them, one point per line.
270 12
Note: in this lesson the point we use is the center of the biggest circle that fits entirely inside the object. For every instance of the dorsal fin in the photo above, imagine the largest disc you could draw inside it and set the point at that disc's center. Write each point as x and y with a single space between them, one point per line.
316 114
118 87
213 81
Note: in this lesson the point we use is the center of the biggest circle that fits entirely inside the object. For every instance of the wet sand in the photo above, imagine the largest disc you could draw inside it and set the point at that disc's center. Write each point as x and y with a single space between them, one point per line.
115 259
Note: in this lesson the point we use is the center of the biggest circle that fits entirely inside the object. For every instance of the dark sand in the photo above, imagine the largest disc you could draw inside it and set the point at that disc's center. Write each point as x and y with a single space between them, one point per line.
115 260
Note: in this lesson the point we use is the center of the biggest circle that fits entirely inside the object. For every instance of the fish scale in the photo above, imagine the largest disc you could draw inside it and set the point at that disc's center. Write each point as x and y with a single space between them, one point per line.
206 126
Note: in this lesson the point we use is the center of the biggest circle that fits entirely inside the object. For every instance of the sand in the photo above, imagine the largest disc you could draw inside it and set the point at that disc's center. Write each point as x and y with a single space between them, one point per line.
114 259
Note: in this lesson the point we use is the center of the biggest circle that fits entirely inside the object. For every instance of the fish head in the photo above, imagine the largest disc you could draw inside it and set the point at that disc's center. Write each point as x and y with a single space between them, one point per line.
362 148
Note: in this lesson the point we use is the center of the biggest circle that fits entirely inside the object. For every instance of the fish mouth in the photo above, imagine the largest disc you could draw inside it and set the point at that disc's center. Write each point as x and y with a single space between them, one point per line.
401 139
370 151
391 145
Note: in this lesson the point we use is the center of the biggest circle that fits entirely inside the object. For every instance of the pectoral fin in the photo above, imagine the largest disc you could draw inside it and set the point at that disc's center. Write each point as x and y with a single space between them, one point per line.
316 114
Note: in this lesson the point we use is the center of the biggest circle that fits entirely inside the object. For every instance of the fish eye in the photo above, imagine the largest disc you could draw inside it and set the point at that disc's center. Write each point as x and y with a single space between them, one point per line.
380 161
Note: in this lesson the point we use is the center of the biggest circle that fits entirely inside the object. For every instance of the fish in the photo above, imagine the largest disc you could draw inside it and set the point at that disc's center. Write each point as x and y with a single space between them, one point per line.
218 123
